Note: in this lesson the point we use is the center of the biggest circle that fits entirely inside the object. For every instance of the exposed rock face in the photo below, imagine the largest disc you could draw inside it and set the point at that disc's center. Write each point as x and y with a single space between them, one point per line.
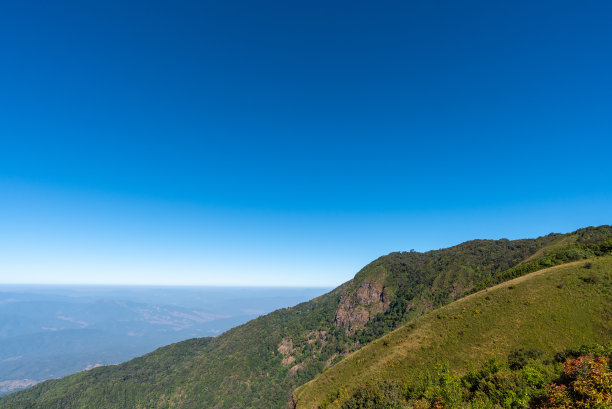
285 347
355 310
369 292
288 360
296 368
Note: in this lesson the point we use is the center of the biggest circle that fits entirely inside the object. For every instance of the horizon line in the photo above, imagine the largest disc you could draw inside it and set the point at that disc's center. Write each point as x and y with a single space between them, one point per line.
164 285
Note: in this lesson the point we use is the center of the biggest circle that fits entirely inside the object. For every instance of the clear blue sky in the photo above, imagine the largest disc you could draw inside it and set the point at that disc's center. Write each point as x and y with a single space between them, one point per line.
290 143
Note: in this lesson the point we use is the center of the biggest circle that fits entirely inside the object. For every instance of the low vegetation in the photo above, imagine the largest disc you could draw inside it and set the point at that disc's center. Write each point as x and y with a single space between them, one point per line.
580 378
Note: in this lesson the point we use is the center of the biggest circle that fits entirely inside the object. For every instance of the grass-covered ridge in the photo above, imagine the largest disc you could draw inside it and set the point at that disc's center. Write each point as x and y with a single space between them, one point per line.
260 363
549 311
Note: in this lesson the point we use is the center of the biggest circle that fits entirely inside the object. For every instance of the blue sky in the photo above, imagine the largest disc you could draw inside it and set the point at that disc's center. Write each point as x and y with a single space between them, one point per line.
290 143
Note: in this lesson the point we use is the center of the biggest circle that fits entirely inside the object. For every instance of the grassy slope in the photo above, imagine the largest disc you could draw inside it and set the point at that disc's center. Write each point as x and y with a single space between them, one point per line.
243 367
552 309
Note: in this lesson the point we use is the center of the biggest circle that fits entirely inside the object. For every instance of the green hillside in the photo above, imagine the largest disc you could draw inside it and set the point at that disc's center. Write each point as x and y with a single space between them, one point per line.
548 311
260 363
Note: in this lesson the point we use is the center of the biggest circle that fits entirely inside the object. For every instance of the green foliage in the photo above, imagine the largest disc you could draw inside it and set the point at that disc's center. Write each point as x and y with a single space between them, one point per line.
518 358
583 244
423 281
442 389
583 382
383 395
331 397
586 383
593 349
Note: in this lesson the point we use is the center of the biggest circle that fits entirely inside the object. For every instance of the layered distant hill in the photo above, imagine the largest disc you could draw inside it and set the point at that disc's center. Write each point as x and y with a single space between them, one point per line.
259 364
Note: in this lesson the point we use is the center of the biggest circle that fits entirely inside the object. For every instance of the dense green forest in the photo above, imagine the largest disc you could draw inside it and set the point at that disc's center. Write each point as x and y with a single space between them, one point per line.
260 363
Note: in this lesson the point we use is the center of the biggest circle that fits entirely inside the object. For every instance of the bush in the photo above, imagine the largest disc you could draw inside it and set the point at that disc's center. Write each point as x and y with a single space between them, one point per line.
517 359
586 383
384 395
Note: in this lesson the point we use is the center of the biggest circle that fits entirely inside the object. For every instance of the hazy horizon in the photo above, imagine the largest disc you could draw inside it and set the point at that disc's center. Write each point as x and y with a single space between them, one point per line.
180 286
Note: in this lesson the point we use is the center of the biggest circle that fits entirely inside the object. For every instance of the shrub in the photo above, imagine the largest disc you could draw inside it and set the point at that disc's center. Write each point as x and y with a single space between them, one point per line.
518 358
383 395
586 383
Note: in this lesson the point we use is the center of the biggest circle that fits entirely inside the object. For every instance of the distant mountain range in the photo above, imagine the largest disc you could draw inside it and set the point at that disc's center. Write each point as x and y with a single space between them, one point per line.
443 304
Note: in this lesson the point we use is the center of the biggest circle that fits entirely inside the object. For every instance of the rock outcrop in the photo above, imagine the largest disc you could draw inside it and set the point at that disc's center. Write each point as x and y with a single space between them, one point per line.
355 310
285 348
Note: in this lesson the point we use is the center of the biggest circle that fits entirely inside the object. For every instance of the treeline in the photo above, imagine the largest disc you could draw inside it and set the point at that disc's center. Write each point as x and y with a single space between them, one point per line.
591 242
575 378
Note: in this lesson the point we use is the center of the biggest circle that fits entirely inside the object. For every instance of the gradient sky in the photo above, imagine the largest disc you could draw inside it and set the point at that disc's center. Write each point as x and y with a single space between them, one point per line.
290 143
